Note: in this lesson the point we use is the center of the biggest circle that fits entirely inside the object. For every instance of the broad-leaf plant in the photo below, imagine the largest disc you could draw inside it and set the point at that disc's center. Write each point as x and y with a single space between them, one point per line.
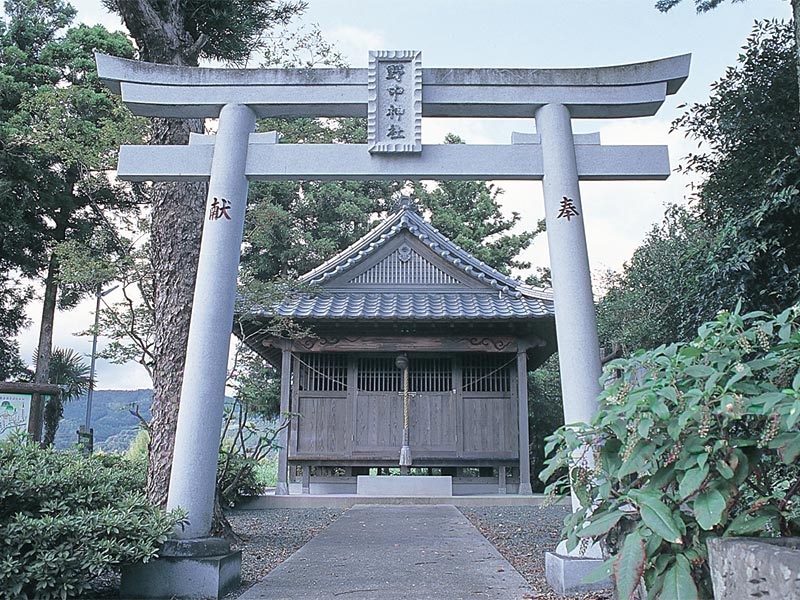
691 440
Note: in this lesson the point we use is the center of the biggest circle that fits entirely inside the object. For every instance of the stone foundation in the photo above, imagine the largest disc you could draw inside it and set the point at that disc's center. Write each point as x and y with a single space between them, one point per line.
404 485
754 567
202 569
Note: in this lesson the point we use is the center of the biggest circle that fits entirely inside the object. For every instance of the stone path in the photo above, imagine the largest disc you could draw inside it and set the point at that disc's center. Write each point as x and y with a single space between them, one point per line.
394 553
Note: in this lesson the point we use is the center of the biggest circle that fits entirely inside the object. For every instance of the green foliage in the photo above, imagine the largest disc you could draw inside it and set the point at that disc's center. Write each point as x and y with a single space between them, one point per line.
691 440
545 411
700 5
654 300
137 451
737 240
267 471
65 518
250 433
59 134
237 478
13 297
238 475
214 29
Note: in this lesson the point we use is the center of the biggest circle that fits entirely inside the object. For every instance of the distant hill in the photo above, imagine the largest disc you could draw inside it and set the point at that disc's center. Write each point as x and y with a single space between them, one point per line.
114 425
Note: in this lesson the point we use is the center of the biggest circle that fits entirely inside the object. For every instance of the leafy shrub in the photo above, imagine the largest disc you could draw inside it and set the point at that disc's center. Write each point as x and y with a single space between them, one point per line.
236 477
65 518
691 440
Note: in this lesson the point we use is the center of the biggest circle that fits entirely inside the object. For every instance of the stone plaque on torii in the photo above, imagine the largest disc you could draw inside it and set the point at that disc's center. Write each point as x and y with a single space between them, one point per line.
394 93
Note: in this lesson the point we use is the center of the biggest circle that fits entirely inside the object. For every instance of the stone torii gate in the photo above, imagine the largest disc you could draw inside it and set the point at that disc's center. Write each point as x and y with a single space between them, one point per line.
394 93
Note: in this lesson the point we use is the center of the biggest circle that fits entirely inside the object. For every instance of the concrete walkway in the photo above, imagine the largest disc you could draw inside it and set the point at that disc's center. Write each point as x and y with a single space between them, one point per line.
393 553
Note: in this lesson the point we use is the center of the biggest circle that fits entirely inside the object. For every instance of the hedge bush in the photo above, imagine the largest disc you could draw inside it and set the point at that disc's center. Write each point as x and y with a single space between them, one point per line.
65 518
691 440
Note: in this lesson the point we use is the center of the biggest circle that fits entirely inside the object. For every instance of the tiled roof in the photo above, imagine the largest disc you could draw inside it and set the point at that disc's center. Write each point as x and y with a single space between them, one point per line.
501 297
422 306
408 219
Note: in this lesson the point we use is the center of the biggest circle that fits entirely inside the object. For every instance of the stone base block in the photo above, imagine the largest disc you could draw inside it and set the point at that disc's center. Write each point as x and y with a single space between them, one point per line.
565 574
754 567
404 485
187 569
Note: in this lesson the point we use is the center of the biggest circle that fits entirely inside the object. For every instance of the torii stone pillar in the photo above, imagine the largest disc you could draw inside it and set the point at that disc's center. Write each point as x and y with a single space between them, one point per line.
576 324
211 568
395 152
194 465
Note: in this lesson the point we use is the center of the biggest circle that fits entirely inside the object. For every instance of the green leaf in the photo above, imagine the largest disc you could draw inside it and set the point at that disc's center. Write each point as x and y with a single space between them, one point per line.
670 393
699 371
767 401
789 450
657 516
644 427
708 508
794 415
724 469
663 477
601 524
677 581
629 566
746 524
637 461
692 480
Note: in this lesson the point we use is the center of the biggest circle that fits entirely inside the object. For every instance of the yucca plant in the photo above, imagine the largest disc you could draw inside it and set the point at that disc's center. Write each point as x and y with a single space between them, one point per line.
69 371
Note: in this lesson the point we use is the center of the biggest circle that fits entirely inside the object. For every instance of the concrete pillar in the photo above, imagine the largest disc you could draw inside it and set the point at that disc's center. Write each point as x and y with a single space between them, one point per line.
576 324
194 465
282 485
524 443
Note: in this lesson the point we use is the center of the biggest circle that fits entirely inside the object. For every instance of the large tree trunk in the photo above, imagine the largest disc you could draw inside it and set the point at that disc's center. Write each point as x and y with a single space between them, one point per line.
176 227
44 349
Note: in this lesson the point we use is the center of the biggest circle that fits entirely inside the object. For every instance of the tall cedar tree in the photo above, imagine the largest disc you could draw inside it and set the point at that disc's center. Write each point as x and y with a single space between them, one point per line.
59 130
180 33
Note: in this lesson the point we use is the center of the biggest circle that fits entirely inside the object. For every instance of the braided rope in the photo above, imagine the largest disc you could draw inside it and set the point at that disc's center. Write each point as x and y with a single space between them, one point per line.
405 398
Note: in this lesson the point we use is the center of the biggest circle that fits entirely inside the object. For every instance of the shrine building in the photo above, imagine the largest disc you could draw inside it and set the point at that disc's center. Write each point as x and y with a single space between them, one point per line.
418 357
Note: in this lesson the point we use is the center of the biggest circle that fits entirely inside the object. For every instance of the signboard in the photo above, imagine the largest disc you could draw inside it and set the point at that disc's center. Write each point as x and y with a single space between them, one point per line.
394 110
14 412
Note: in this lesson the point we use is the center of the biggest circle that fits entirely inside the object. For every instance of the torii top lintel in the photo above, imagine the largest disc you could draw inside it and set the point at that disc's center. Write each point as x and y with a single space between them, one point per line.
632 90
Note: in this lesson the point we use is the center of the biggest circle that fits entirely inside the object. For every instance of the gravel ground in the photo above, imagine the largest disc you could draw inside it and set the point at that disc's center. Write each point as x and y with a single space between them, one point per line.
272 535
522 534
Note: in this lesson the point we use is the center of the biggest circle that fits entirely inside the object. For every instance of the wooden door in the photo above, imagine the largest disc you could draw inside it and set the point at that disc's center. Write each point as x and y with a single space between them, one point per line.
433 424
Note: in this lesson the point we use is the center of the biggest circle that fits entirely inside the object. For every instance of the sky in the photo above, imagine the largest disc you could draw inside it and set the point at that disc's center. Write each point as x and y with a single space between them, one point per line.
517 34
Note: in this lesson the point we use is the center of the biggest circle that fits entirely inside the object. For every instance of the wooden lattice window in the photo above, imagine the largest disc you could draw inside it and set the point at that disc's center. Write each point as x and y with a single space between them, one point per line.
487 373
379 374
322 372
430 375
